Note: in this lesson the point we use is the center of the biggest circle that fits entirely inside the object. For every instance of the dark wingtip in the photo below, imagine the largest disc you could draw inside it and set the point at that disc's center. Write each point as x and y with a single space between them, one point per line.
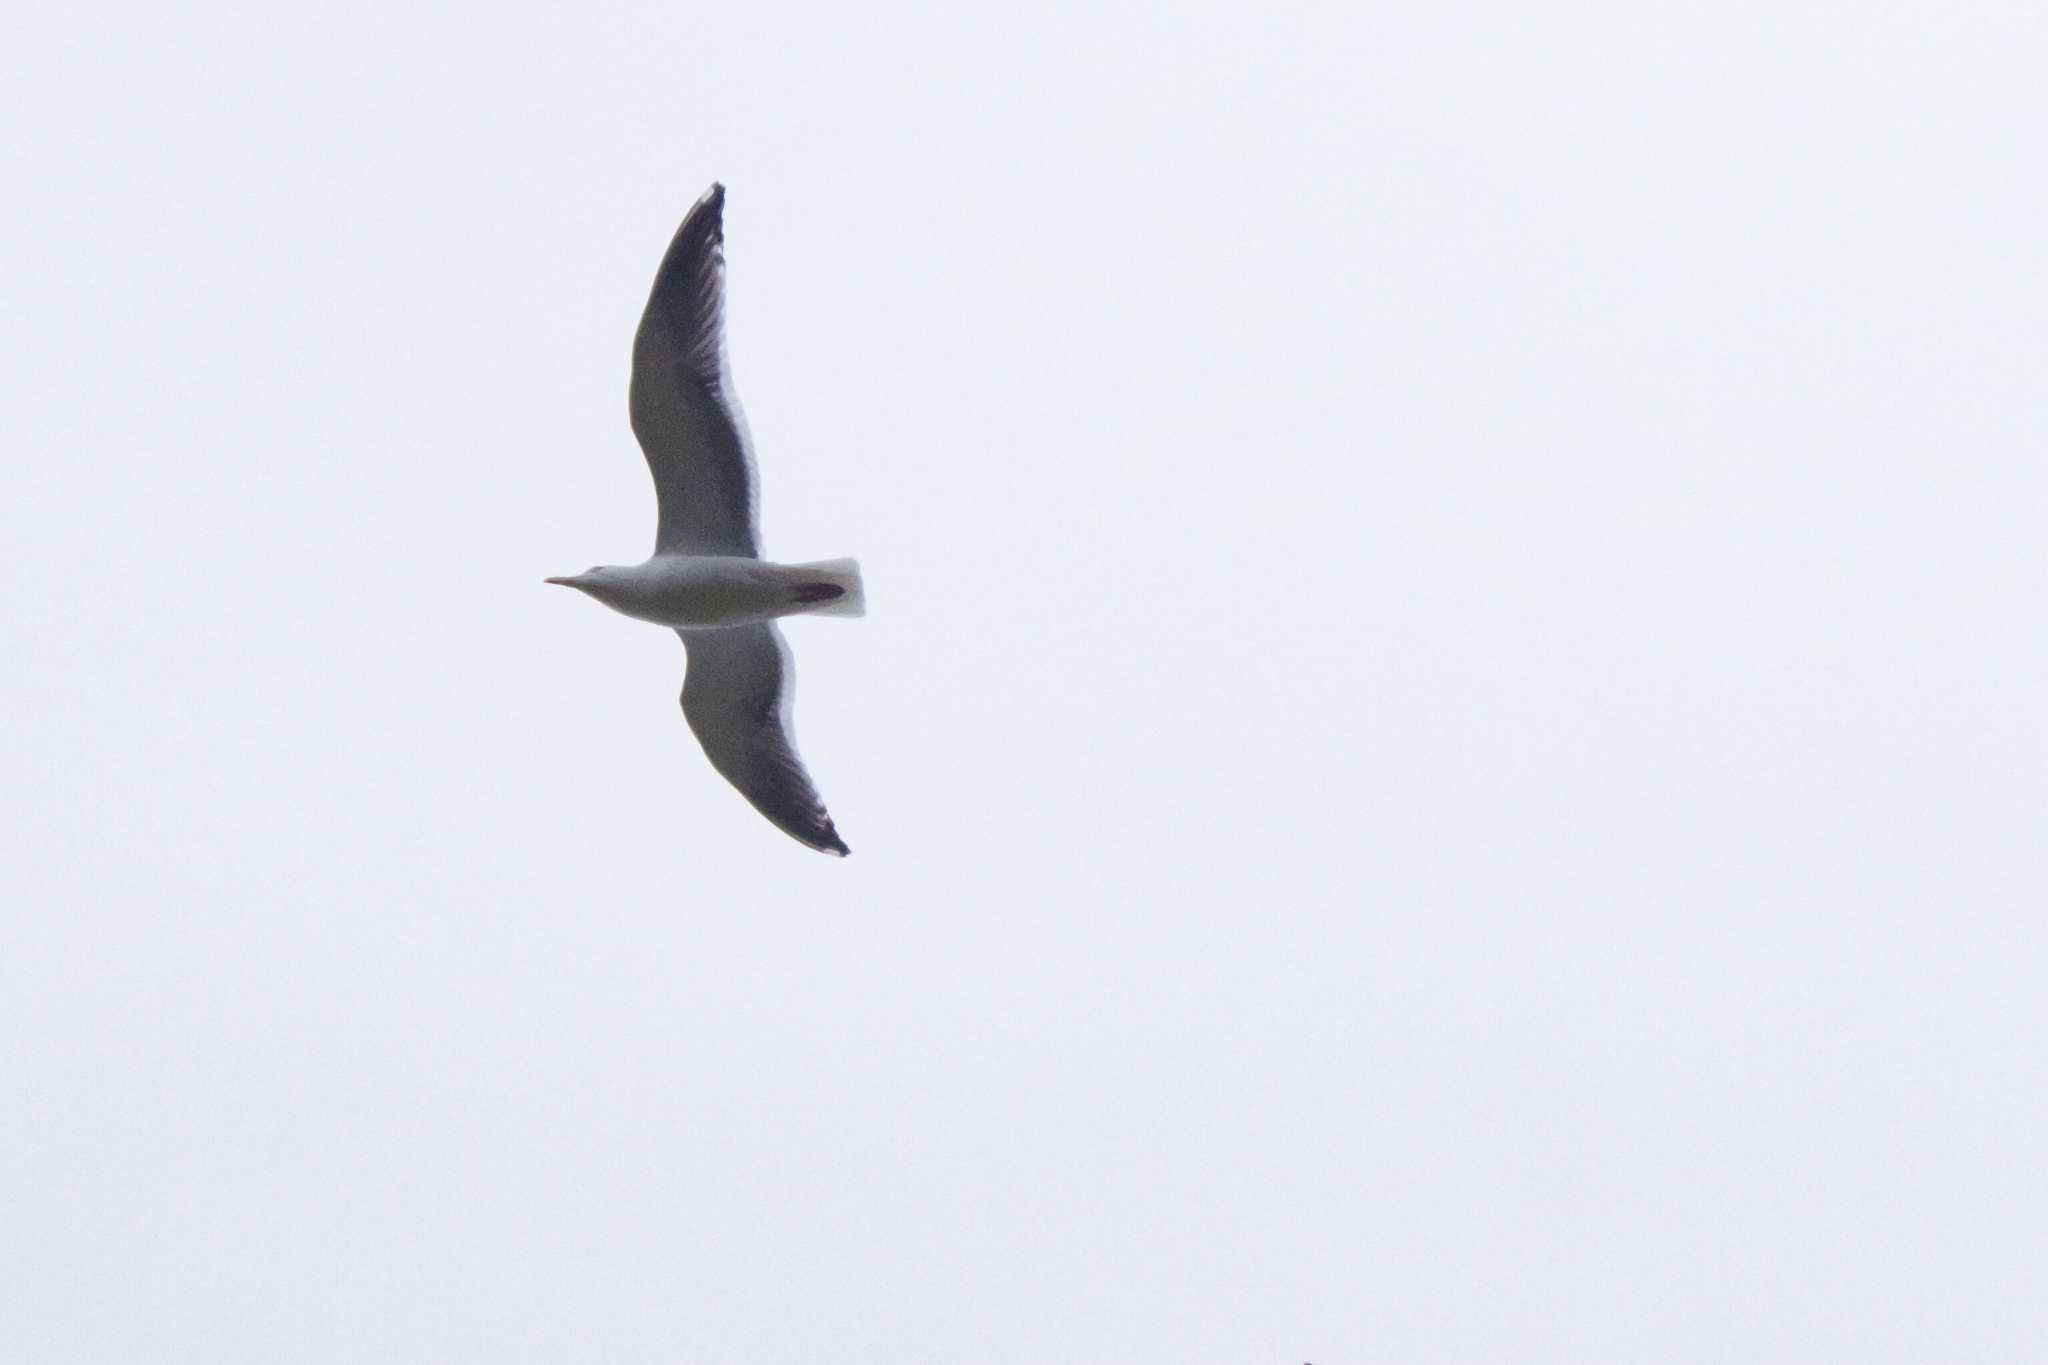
827 839
822 835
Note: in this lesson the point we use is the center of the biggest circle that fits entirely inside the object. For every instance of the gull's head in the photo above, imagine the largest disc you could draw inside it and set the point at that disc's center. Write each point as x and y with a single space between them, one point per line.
582 582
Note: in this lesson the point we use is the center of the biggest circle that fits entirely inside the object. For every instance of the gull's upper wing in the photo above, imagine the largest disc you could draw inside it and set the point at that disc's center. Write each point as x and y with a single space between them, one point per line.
736 697
682 403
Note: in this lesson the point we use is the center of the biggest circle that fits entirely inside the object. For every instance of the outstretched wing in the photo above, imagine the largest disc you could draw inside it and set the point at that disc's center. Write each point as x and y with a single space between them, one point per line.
736 697
683 409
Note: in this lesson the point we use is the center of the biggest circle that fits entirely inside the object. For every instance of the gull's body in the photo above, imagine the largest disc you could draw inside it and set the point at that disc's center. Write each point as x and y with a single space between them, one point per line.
691 592
706 579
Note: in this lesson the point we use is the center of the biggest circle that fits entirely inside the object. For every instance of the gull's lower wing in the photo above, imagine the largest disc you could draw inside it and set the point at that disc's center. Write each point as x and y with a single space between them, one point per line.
684 413
736 697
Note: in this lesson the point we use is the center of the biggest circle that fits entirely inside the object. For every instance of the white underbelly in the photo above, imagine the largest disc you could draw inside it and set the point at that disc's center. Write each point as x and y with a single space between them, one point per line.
704 591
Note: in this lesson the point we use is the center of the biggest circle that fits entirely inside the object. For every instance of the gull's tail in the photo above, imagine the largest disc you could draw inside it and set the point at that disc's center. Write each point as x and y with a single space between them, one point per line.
830 587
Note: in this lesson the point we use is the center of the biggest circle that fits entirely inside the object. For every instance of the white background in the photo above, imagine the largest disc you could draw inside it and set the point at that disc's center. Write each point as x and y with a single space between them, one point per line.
1447 763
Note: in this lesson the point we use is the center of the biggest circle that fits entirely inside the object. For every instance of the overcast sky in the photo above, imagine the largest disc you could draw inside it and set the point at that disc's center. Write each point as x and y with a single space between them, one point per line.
1447 764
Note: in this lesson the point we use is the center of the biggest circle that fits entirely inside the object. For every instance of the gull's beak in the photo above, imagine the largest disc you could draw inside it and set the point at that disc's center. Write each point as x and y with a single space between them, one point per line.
565 582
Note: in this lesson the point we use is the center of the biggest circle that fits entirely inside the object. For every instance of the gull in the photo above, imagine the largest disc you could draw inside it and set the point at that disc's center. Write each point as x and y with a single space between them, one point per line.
706 579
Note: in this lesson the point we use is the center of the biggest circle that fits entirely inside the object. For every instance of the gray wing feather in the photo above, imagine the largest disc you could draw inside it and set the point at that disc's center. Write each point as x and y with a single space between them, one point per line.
683 410
736 697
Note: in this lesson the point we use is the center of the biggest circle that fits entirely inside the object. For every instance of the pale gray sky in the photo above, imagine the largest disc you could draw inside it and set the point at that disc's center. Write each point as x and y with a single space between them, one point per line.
1447 764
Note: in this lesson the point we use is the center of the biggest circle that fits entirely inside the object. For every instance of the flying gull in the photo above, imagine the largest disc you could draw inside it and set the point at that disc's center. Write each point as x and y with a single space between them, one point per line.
706 579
